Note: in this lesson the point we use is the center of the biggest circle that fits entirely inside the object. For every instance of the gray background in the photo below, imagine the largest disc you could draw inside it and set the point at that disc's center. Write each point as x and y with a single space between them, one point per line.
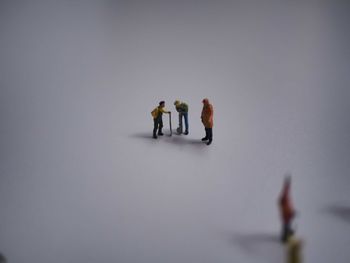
81 180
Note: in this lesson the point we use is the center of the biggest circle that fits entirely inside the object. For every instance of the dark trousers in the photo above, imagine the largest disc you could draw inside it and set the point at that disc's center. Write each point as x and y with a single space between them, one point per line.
185 116
287 231
209 134
158 125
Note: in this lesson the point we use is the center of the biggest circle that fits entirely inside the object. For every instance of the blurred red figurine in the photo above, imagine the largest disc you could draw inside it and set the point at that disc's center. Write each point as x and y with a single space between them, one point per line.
287 211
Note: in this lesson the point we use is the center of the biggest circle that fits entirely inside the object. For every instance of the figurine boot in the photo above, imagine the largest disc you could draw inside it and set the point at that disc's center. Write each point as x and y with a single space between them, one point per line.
154 135
206 135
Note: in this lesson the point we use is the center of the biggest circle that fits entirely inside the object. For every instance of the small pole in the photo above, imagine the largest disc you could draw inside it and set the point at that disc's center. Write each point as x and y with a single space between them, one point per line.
171 130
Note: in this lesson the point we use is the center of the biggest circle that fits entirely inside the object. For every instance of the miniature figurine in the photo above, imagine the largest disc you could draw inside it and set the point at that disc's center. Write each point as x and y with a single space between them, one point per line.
287 211
182 109
207 120
157 114
2 258
294 250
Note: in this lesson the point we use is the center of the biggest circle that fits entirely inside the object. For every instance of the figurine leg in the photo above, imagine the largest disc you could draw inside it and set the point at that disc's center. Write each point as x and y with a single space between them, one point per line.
186 122
155 128
210 135
160 127
287 232
179 129
206 135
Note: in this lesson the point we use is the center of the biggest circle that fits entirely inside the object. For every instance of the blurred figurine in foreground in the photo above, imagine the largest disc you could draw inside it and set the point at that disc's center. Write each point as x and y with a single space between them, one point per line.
182 109
157 115
287 211
207 120
294 250
2 258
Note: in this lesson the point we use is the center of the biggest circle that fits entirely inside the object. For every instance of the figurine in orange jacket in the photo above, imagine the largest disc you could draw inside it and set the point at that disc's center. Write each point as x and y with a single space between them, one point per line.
287 211
207 120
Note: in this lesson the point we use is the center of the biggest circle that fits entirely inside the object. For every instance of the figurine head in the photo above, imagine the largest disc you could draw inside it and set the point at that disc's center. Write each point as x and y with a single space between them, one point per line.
205 101
177 102
162 103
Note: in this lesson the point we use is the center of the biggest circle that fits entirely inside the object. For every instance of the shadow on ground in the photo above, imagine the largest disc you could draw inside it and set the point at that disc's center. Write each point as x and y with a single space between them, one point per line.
180 140
265 246
340 211
142 135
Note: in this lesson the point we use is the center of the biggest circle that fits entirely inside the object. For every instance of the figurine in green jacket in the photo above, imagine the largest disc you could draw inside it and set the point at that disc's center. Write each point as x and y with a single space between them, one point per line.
182 109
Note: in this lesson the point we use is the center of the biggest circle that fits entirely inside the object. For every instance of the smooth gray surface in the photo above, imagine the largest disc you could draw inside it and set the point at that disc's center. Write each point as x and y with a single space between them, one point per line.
81 180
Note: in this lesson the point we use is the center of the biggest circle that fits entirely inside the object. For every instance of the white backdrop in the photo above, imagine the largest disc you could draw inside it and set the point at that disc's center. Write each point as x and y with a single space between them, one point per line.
81 180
